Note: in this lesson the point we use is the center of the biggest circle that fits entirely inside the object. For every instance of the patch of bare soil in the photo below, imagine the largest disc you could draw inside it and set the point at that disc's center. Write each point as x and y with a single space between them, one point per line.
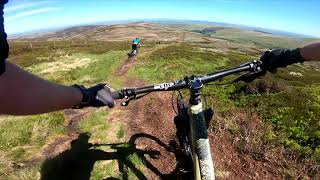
153 116
60 144
123 69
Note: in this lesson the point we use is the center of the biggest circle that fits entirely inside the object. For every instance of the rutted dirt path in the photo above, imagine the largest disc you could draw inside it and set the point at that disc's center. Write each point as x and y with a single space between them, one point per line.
151 115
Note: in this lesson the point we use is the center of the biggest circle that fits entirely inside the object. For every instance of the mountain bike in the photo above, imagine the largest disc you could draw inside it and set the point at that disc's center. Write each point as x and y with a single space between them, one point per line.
192 119
134 51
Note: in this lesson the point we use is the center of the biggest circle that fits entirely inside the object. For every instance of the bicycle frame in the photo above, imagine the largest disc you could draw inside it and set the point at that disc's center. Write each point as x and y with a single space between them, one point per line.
200 146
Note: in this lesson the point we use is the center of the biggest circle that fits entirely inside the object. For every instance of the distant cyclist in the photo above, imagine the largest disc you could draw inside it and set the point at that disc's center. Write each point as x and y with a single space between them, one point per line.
135 44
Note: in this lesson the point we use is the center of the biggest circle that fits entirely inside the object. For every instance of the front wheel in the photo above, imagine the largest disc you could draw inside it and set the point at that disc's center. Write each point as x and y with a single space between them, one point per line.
181 122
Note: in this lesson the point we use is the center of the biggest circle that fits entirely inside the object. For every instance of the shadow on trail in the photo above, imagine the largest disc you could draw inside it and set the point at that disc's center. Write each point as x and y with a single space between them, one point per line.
78 162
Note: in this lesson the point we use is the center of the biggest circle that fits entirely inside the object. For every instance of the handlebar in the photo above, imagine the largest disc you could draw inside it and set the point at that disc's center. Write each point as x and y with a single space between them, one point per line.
131 93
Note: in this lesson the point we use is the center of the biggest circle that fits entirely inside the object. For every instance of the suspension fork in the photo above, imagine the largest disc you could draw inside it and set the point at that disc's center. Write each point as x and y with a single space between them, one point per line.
202 160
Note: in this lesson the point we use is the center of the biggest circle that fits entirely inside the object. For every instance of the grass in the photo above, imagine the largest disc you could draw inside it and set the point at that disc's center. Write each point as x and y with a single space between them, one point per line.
110 168
23 54
105 169
291 104
91 68
260 40
19 131
96 124
22 137
176 61
121 132
25 174
17 153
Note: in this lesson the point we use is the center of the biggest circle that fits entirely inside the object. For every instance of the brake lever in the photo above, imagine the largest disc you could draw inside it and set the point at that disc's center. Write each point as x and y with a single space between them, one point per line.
126 103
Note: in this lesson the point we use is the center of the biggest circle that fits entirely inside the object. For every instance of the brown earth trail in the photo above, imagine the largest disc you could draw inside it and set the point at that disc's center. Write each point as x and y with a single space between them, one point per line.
152 116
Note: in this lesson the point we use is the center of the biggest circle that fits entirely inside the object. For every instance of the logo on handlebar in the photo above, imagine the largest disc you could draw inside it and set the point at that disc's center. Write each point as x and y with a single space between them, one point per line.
164 86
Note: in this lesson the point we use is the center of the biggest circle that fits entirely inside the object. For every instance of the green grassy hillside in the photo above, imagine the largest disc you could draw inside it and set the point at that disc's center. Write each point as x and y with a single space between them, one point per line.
256 38
284 106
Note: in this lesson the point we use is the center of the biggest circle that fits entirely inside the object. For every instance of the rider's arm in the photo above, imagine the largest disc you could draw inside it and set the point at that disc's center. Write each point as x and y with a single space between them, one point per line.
311 52
24 93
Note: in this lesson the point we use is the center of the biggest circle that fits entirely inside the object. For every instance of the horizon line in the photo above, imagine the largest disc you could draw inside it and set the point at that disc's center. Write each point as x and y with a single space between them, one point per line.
114 22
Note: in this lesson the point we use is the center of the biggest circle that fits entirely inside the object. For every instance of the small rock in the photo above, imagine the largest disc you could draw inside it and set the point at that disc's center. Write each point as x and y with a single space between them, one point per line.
296 74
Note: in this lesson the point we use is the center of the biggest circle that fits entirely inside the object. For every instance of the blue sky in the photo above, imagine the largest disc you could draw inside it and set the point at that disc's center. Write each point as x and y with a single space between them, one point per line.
298 16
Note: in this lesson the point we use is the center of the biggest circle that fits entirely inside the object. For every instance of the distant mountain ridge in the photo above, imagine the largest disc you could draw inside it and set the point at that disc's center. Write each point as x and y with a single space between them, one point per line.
164 21
265 30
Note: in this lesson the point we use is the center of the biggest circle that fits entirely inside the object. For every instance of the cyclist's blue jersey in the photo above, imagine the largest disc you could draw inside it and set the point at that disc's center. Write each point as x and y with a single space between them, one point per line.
136 41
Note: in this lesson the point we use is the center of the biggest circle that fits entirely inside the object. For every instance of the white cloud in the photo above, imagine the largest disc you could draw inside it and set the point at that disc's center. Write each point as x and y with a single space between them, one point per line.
17 7
32 12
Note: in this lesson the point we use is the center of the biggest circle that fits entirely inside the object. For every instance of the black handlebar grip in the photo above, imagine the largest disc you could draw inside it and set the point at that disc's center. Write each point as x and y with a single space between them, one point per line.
116 95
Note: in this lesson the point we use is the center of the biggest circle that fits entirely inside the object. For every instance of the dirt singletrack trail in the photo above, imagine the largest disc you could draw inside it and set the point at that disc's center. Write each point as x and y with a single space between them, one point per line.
151 115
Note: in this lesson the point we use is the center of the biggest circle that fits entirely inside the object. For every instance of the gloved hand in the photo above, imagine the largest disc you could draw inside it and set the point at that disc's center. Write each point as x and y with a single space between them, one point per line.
96 96
275 58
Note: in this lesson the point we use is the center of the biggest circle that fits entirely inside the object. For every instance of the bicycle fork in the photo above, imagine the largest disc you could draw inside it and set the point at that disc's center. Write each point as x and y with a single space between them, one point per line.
200 145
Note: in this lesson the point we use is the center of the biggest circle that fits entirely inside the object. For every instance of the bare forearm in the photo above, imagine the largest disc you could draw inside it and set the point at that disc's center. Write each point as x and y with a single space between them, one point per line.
22 93
311 52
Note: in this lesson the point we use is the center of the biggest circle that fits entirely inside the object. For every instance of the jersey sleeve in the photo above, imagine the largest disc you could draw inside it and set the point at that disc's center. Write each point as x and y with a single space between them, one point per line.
4 47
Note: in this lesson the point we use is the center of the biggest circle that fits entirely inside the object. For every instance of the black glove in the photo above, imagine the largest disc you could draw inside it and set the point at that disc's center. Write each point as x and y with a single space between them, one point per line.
275 58
96 96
